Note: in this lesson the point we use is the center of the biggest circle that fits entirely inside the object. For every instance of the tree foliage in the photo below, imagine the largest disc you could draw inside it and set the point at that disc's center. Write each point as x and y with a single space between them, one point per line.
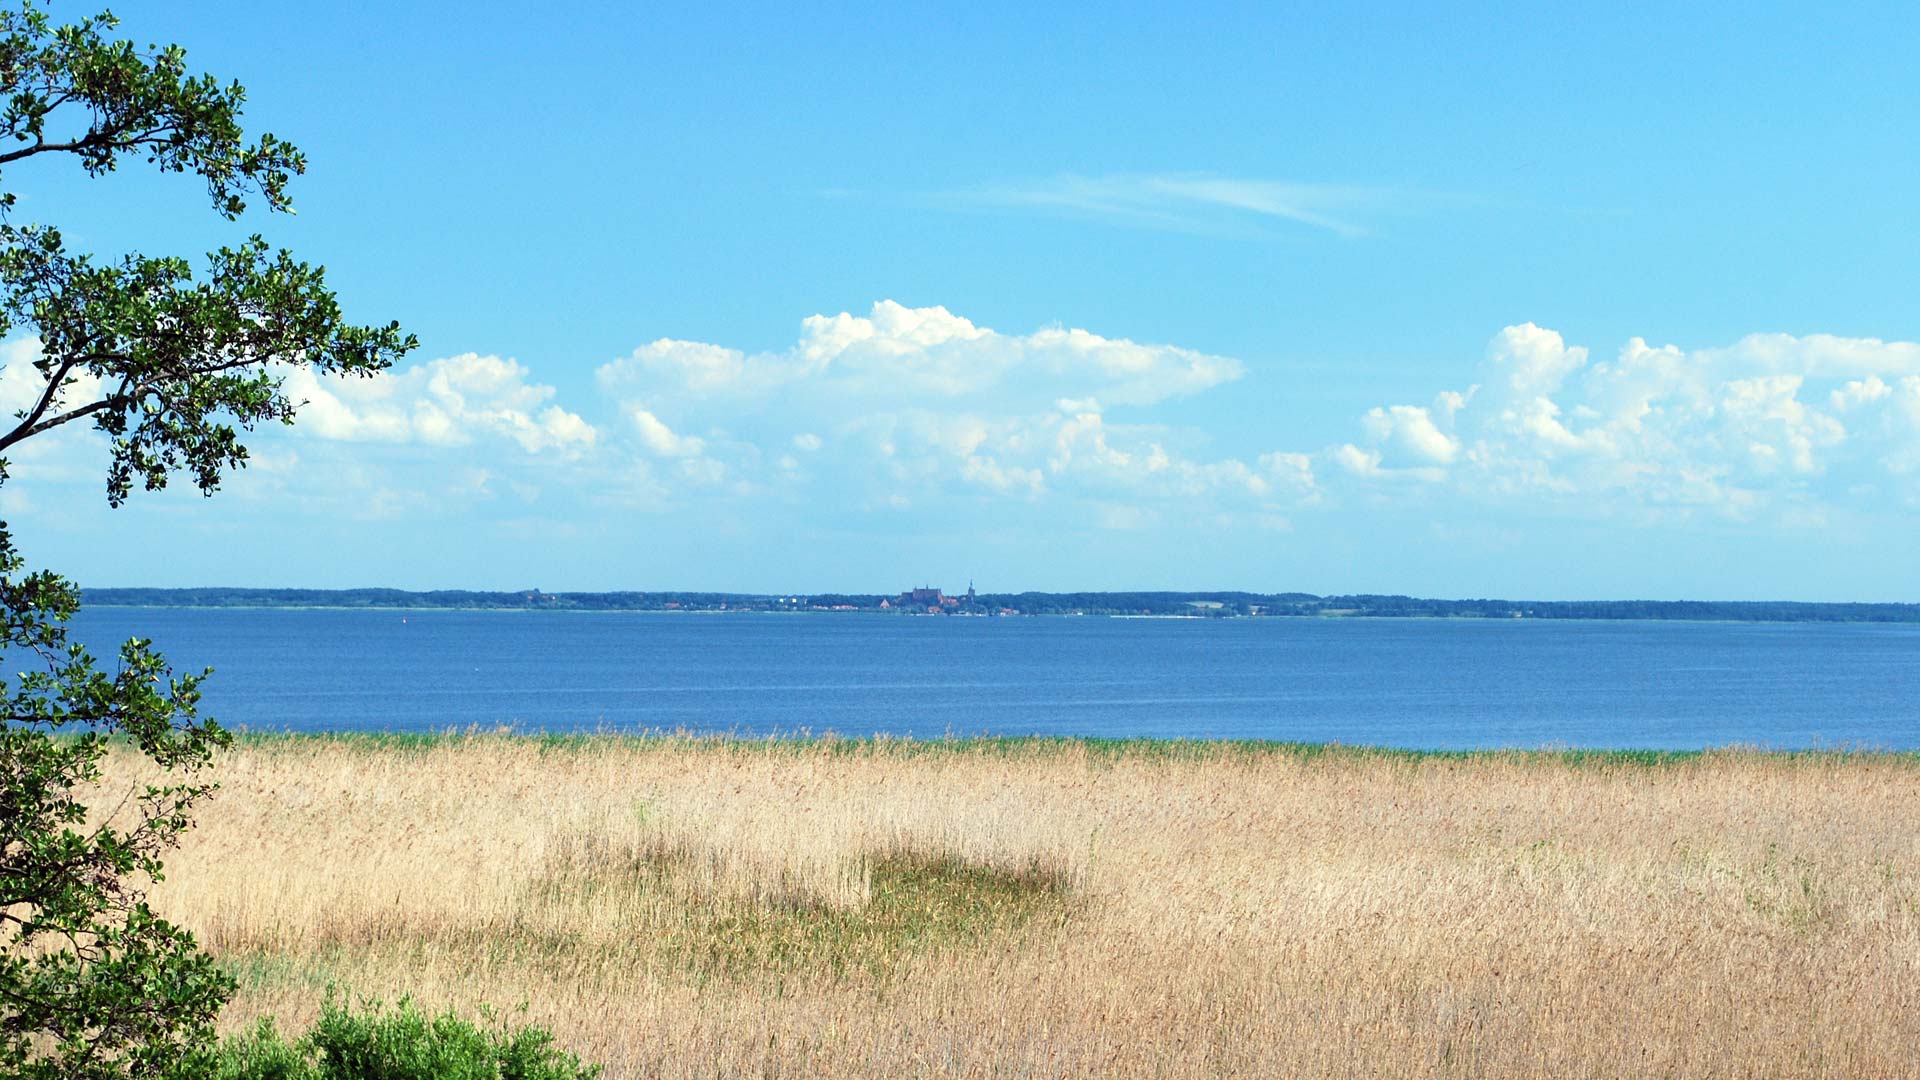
92 983
172 367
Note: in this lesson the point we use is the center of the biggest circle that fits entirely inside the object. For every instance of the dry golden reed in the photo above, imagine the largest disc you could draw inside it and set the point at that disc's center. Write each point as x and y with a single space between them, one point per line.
680 907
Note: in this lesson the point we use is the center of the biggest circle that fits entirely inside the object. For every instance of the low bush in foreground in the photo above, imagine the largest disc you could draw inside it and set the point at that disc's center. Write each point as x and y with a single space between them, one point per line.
400 1043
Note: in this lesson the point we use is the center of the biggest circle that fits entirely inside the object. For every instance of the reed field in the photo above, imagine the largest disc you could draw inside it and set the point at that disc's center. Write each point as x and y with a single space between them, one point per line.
683 907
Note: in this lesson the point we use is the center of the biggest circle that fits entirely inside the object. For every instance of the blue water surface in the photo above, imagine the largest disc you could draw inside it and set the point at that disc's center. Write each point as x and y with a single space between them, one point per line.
1417 683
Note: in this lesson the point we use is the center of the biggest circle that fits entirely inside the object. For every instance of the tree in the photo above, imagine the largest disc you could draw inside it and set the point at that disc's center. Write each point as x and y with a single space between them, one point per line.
172 367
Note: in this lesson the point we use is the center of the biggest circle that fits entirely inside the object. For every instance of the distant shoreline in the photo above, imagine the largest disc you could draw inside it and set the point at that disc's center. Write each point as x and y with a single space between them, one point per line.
1159 604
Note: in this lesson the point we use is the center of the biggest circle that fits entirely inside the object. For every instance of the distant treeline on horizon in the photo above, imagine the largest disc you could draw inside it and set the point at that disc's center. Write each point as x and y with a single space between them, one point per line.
1194 604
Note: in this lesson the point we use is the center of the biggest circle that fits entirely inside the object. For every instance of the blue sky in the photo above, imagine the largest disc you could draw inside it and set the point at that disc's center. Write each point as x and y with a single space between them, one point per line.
1488 301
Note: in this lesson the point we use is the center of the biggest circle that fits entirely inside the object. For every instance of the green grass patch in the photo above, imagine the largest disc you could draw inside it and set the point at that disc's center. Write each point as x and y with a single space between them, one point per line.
920 903
257 970
1094 750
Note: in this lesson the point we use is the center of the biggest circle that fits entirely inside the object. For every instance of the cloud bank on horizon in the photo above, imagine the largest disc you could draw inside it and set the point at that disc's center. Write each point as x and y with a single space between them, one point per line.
901 407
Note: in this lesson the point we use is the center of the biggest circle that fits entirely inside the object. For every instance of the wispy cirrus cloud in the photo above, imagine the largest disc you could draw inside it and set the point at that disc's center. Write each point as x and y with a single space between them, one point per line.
1193 202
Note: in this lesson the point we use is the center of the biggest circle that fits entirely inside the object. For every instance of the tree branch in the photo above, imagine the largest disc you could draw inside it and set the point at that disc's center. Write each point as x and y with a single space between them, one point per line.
40 408
20 433
41 146
120 138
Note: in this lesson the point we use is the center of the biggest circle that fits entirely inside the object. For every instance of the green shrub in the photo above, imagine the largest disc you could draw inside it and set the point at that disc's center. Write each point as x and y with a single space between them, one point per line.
400 1043
262 1054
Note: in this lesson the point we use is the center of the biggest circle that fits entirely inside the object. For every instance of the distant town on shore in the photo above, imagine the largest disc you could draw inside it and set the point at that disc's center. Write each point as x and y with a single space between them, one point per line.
933 601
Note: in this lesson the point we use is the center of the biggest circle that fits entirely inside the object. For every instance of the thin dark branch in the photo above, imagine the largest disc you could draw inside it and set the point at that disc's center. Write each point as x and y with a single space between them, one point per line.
43 147
18 434
102 136
47 397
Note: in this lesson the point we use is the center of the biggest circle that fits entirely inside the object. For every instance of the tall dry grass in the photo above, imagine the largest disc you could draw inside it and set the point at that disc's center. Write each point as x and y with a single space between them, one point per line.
688 908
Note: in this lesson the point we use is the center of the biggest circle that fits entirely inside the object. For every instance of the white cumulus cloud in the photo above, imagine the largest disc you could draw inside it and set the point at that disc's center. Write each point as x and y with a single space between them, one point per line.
448 402
901 402
1733 429
661 439
895 354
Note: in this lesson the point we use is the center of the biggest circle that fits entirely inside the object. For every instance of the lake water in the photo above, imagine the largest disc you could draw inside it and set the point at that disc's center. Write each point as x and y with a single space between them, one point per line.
1399 682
